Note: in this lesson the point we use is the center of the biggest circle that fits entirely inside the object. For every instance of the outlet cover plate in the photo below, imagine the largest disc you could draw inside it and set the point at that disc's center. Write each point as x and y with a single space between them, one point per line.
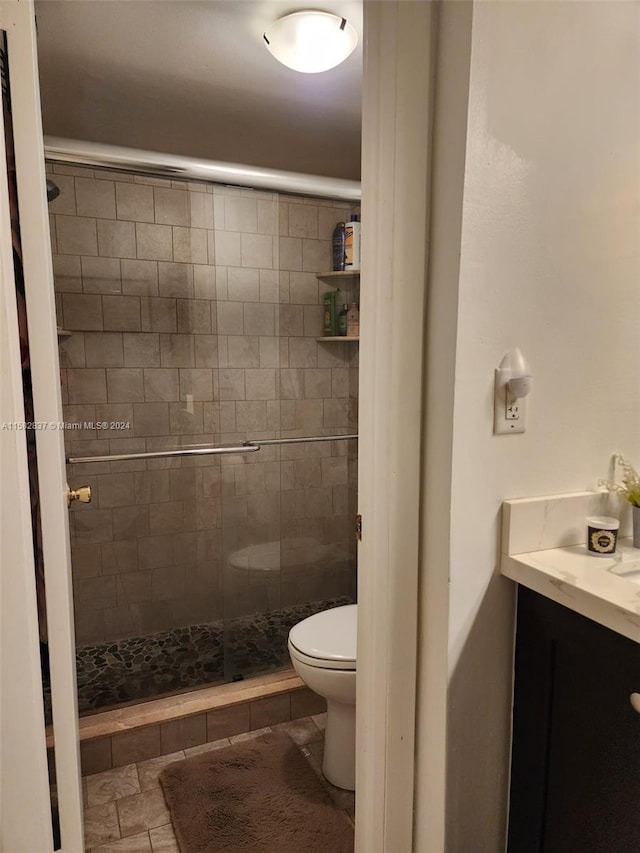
504 421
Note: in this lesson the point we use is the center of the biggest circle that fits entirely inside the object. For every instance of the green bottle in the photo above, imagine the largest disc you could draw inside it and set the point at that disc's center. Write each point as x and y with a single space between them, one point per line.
329 318
342 321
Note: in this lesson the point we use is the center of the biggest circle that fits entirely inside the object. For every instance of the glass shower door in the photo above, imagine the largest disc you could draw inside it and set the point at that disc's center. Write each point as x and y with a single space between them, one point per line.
287 512
249 286
190 314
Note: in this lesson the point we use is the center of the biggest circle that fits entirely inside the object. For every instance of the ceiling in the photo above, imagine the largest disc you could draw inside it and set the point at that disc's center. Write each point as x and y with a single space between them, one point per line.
192 77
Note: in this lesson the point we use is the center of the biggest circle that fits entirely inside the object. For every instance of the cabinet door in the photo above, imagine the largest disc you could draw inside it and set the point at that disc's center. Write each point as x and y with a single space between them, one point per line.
576 747
593 792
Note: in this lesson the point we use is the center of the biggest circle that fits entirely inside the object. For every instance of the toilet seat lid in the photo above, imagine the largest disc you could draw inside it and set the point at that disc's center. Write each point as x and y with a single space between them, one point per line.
329 635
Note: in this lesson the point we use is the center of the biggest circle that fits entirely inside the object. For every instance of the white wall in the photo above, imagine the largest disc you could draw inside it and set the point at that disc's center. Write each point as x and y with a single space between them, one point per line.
549 262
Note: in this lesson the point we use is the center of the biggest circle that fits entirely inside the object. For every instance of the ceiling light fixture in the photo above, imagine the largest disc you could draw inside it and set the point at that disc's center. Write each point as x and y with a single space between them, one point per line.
311 41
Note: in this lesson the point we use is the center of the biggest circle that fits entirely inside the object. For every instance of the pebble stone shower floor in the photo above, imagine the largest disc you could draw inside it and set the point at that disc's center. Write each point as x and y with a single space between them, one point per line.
141 668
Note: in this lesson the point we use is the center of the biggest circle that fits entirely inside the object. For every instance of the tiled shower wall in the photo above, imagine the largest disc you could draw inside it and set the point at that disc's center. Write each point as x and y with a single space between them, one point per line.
194 311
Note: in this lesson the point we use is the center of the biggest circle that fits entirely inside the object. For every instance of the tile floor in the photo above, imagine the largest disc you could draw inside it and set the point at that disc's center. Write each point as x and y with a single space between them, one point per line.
125 810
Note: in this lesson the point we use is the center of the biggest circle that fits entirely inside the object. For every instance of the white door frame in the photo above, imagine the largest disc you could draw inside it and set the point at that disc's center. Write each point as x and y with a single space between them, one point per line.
23 754
18 20
399 38
393 563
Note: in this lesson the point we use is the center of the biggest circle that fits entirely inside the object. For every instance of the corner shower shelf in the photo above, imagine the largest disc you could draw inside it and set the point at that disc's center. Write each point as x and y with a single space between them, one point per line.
339 274
327 339
64 333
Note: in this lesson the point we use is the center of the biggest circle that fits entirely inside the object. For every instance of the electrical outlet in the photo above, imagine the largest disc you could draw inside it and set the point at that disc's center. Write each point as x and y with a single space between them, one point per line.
512 410
509 416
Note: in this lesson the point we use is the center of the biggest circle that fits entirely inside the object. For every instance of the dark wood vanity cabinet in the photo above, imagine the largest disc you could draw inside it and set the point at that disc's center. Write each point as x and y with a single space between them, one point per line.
575 775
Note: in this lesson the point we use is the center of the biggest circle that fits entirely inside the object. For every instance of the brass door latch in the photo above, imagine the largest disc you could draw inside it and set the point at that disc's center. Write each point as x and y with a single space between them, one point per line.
83 494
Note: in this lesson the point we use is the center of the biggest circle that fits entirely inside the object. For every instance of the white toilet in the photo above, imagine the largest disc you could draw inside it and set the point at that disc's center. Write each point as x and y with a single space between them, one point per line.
323 653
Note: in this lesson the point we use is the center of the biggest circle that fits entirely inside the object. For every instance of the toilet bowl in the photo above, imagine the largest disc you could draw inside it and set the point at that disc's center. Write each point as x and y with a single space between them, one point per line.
323 653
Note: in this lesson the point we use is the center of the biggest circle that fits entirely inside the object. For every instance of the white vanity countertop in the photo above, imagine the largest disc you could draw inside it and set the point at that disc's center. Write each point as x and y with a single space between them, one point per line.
605 589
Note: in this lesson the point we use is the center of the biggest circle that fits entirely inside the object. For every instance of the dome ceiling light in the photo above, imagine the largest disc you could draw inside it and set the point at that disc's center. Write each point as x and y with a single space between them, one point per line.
311 41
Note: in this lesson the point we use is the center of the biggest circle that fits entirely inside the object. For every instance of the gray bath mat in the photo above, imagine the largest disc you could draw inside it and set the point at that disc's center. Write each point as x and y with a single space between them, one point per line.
257 796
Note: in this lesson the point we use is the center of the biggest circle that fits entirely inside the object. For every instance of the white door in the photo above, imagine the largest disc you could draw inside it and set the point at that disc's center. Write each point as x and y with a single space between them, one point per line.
25 811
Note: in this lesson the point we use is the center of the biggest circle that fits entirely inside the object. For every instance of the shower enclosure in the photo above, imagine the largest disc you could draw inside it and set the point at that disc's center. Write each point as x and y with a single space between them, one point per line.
189 318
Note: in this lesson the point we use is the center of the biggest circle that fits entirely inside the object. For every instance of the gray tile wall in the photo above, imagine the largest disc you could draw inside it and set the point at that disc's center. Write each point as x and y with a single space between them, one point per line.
194 311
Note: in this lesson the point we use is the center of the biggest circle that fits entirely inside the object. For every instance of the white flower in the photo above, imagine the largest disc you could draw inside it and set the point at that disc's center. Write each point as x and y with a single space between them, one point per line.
629 488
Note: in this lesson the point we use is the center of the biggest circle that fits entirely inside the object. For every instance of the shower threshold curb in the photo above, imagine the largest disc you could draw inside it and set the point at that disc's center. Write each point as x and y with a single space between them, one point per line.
169 708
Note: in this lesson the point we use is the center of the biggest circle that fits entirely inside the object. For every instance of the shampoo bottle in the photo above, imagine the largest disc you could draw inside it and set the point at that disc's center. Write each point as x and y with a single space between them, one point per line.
353 321
352 244
329 321
337 247
342 320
